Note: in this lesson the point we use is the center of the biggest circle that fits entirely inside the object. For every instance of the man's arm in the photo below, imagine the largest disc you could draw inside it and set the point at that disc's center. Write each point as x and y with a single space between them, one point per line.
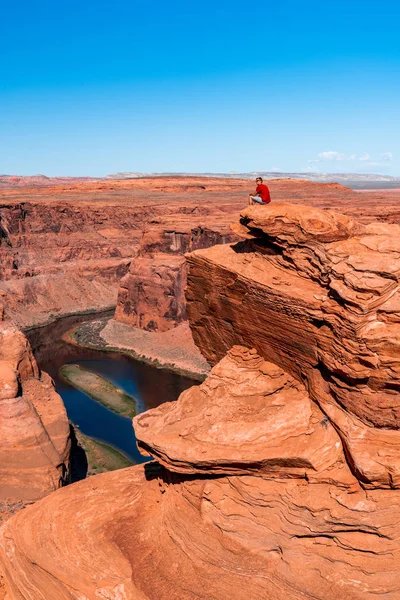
256 193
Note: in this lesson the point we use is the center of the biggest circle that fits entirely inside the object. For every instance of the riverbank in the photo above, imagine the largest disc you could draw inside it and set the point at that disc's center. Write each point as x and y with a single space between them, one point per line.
148 386
97 458
173 350
52 319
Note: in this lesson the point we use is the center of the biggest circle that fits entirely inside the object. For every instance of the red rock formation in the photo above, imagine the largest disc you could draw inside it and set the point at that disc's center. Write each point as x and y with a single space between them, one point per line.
11 181
34 428
249 416
280 472
79 237
316 293
175 234
298 527
151 295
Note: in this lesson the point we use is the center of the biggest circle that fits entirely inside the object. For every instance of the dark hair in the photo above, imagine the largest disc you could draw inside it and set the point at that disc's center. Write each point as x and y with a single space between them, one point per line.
260 178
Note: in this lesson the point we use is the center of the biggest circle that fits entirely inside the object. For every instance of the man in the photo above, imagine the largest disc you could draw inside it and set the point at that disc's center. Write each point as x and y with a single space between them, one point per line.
261 195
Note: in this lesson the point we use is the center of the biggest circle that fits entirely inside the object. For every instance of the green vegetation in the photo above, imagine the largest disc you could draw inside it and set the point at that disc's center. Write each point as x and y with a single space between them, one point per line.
100 389
100 457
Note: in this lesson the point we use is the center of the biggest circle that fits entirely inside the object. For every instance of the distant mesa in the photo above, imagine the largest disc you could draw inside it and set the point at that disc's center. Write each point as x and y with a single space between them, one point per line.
351 179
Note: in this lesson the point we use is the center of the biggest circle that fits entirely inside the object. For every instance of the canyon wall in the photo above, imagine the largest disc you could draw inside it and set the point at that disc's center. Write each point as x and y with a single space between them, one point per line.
278 476
58 259
64 248
151 295
34 428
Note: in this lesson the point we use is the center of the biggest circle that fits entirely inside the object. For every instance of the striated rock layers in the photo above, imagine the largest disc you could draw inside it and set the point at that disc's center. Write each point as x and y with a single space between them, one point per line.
34 428
65 247
256 500
317 293
57 259
277 477
151 295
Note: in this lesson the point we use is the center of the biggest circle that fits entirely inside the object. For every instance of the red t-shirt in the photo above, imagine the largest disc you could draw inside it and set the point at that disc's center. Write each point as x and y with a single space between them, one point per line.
263 192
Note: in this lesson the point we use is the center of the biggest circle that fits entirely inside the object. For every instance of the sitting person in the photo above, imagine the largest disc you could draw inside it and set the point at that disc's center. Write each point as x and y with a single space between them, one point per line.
261 195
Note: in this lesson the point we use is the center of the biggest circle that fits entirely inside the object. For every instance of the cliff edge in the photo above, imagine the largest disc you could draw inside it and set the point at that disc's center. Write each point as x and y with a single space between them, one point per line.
278 477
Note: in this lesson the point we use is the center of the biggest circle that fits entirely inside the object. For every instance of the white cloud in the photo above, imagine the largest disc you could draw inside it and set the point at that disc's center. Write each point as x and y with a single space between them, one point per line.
332 161
366 159
330 155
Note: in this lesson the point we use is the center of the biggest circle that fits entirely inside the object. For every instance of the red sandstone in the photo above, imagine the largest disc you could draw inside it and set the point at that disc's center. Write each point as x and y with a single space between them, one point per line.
34 428
280 474
78 238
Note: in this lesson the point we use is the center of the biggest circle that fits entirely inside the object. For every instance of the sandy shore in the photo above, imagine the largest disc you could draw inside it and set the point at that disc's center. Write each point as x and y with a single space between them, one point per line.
173 350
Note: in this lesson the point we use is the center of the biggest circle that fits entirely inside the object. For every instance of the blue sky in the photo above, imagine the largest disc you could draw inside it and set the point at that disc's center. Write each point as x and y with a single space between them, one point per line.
91 88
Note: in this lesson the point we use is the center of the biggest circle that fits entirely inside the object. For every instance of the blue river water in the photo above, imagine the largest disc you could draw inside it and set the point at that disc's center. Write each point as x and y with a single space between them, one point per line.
148 385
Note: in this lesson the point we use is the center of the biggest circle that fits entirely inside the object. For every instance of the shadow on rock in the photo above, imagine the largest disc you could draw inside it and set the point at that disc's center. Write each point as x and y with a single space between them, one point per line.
79 462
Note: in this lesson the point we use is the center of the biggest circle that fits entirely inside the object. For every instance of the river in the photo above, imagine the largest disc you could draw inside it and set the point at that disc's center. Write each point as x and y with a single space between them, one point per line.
149 386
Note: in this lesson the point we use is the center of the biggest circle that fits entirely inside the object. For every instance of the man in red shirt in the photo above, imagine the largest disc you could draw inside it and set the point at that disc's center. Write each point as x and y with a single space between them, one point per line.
261 195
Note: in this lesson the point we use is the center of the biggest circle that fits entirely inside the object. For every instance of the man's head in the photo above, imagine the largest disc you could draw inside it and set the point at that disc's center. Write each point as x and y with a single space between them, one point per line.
259 180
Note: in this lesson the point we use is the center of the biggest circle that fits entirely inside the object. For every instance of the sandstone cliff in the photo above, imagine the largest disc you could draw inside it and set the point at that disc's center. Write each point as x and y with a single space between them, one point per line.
277 478
34 428
151 296
65 247
318 294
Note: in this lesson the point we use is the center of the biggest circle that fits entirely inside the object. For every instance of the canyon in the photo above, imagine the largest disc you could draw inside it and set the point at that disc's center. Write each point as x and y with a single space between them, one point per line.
285 456
64 248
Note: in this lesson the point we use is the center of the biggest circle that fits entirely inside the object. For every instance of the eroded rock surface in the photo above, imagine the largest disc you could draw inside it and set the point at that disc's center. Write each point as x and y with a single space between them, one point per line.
318 294
65 244
279 474
298 527
249 416
34 428
151 296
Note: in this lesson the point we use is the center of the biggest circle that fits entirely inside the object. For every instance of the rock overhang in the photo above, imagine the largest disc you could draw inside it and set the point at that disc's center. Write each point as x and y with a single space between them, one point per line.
324 306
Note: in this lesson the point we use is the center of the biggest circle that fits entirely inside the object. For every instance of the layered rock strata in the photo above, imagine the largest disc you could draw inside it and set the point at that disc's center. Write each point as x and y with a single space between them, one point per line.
34 428
318 294
273 481
59 259
256 500
60 256
79 237
151 295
